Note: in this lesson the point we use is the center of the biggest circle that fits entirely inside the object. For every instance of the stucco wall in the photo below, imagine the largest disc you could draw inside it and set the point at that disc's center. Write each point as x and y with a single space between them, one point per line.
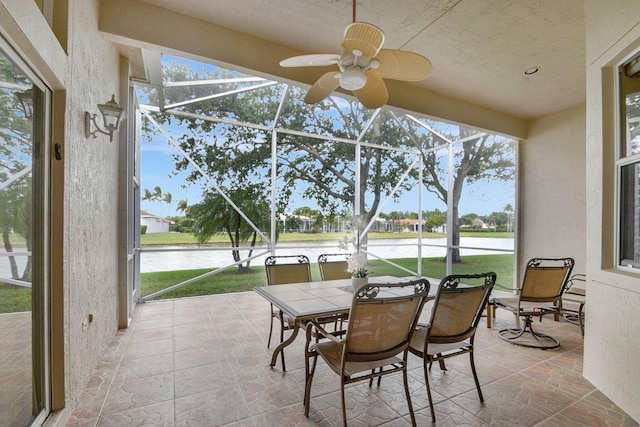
612 342
90 200
552 188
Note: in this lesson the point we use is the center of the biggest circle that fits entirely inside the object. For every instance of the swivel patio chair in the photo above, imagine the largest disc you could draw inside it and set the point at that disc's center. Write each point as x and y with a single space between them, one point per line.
382 320
282 270
333 266
574 299
544 282
454 318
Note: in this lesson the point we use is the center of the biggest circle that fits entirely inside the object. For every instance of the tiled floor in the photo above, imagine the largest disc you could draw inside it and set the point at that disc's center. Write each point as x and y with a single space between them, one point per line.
203 362
15 369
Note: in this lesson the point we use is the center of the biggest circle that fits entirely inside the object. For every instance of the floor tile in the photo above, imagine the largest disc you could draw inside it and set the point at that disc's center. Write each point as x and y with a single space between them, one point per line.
204 361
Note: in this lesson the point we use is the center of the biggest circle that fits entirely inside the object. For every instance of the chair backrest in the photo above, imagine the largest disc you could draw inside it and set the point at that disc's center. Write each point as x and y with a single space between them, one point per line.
382 319
458 306
287 269
333 266
545 279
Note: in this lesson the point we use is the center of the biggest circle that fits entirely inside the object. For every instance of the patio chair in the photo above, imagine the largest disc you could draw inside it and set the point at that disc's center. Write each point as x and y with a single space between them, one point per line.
282 270
574 299
333 266
376 343
541 293
456 311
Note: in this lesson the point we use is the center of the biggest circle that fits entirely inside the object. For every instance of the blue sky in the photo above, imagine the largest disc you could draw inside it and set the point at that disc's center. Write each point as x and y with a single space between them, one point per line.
157 165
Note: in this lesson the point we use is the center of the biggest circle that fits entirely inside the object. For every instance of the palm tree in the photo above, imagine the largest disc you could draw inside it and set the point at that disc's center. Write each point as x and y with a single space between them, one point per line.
509 210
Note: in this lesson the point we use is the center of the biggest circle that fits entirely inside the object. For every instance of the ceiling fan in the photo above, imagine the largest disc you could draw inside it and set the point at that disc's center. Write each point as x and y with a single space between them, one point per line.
363 65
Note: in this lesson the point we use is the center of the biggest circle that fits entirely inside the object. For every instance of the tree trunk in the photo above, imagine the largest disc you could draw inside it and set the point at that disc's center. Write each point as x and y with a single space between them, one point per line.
455 227
455 241
9 248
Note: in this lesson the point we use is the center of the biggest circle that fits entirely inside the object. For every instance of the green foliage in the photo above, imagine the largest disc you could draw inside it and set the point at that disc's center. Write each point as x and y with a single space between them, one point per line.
215 214
469 220
435 218
235 155
16 152
497 219
187 222
143 229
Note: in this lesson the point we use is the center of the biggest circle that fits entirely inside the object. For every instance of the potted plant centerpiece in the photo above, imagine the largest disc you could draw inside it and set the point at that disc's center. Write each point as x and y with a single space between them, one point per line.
356 261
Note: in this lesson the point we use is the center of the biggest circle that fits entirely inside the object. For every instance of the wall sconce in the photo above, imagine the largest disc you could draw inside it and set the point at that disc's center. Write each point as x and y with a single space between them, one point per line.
26 102
111 113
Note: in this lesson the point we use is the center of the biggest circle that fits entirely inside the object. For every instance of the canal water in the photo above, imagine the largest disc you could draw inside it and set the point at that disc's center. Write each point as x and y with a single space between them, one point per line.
170 258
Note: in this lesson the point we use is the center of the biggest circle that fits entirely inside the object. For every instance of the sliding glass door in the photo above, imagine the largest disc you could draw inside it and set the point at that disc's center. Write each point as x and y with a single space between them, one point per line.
24 227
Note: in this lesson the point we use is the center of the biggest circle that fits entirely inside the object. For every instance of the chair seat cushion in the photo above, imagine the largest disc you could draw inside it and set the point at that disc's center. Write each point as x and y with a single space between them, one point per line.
331 353
420 335
526 307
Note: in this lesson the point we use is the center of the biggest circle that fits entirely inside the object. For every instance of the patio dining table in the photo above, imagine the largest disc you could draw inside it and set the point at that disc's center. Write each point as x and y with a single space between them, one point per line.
307 301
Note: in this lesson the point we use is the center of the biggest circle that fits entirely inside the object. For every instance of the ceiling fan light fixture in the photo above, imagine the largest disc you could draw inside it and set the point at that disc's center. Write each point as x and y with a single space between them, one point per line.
353 79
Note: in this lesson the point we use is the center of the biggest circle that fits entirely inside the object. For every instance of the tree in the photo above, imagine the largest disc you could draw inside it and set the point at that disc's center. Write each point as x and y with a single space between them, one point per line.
183 207
239 154
435 218
214 215
509 211
16 152
497 219
480 157
157 196
469 219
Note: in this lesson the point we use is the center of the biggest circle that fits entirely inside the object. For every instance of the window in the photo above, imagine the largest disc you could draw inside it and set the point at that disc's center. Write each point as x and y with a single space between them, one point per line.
628 166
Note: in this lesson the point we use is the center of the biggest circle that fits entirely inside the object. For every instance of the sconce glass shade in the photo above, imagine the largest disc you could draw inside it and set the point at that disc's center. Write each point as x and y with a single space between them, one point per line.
26 102
111 113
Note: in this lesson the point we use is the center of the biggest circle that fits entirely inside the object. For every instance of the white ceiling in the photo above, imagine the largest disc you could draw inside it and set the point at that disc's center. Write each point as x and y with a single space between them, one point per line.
479 48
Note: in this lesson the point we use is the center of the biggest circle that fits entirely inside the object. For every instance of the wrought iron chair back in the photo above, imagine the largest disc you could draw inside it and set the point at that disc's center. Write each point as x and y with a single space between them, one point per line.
282 270
333 266
285 269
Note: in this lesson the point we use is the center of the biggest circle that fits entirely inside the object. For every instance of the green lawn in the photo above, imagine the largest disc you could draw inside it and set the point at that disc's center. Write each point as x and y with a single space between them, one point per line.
229 281
16 299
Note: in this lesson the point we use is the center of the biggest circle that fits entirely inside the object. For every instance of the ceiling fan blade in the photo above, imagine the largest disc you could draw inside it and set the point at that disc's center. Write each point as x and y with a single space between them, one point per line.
323 87
402 65
374 94
317 60
364 37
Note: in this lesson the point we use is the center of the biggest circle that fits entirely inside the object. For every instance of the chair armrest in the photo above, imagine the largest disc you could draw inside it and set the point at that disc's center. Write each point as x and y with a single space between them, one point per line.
506 289
321 331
